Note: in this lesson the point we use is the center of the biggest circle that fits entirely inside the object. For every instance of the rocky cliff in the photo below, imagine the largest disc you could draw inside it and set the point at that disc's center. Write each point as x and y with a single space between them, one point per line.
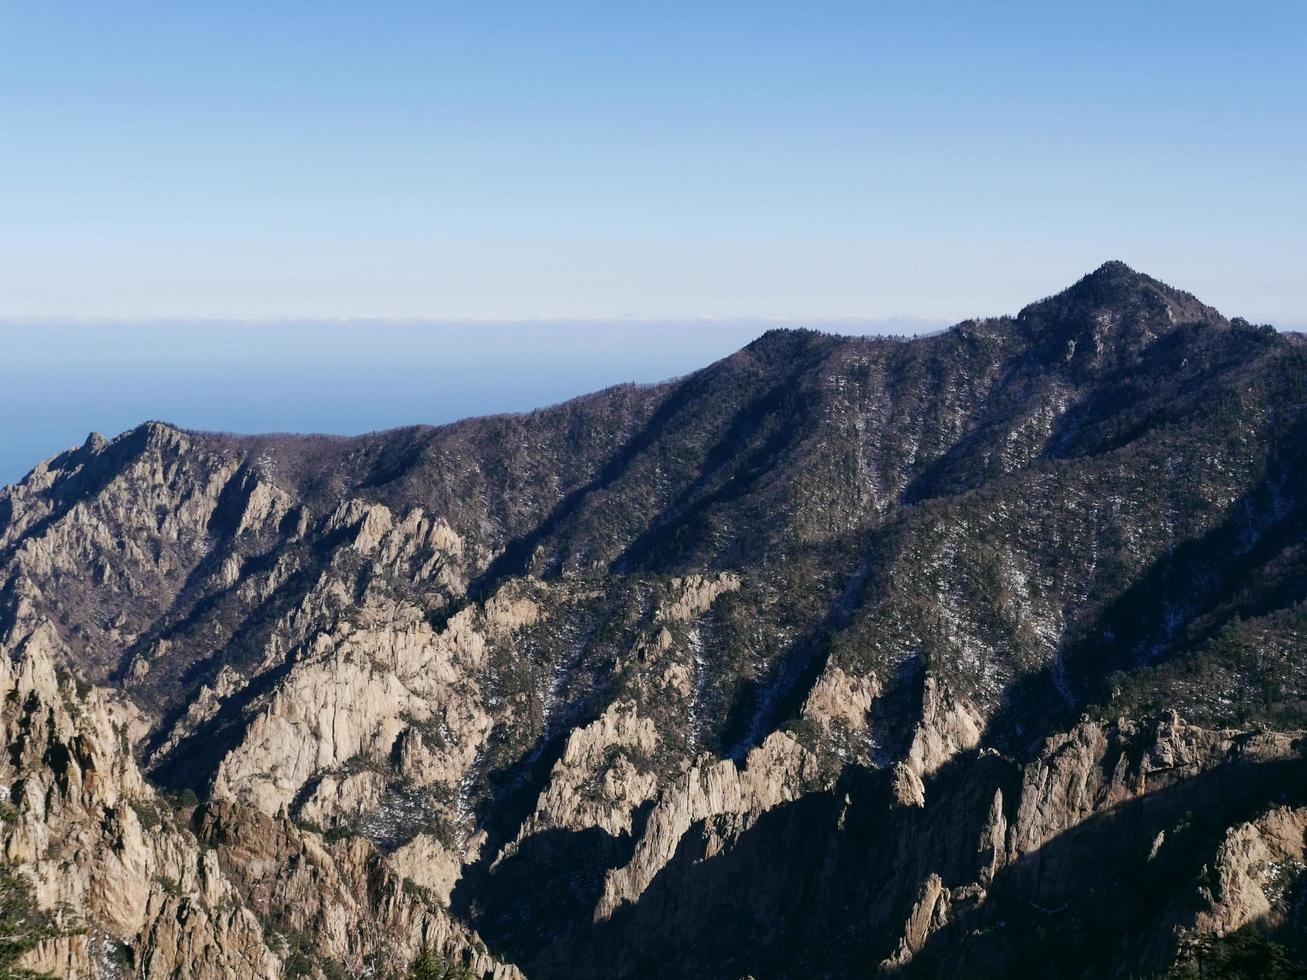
978 652
145 885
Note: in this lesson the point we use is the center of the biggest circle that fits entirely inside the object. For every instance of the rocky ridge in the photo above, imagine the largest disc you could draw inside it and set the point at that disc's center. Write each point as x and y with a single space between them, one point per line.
143 887
896 627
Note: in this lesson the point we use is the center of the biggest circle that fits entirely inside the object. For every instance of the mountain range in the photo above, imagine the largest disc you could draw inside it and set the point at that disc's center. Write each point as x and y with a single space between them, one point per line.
972 654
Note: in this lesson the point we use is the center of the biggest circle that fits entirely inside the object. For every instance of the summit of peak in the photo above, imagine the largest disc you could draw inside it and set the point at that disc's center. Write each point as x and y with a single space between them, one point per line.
1112 312
1115 268
1112 284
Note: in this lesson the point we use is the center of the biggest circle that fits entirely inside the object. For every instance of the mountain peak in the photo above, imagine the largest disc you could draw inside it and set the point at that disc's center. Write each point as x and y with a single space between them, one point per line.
1109 315
1115 268
1112 284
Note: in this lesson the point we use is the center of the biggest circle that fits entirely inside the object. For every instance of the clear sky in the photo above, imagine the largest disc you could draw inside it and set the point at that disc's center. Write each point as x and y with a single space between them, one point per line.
796 160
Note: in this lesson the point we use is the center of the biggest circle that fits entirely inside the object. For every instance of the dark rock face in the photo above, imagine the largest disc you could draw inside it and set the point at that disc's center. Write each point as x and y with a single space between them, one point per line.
839 655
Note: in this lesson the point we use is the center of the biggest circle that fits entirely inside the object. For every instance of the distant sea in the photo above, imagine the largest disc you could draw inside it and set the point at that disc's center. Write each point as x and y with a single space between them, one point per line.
60 381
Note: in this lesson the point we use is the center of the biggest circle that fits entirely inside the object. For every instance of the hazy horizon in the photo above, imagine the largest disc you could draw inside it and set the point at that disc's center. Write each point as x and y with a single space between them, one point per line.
61 381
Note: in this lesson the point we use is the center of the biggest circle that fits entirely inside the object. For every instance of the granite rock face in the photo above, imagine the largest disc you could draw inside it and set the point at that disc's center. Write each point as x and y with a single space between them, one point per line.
146 888
839 655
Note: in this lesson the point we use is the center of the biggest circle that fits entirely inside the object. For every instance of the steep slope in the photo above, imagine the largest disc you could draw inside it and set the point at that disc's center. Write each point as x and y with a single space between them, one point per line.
150 887
802 627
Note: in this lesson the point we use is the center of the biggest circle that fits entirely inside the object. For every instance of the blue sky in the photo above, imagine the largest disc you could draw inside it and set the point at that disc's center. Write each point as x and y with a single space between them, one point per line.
673 160
672 177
